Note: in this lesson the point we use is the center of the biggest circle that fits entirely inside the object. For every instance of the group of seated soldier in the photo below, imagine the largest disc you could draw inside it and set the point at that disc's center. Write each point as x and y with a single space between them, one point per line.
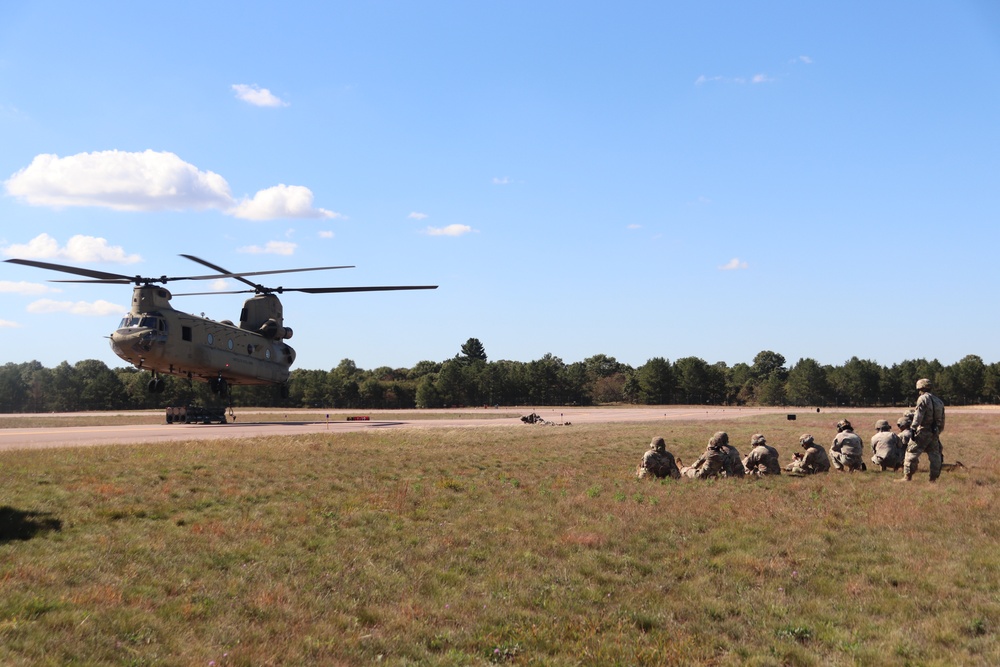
722 459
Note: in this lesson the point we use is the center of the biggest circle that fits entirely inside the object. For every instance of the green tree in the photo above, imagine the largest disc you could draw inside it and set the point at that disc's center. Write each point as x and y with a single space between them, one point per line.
472 350
427 396
13 390
656 381
693 381
545 381
966 379
806 384
450 384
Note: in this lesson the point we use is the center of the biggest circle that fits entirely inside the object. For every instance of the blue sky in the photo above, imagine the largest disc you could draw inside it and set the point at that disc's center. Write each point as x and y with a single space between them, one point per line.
635 179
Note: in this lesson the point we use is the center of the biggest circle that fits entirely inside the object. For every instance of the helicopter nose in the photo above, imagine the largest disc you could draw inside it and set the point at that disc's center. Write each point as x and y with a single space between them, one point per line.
124 341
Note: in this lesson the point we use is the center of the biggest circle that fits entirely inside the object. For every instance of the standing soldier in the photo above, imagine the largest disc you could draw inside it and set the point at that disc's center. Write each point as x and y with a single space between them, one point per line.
658 462
848 448
814 459
928 422
887 448
762 459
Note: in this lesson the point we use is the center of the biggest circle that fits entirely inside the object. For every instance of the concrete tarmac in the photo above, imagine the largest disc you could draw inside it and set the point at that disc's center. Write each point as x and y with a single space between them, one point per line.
247 424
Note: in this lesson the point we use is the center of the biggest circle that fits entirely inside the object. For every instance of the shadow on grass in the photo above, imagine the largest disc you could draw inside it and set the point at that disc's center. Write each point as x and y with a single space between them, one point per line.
18 525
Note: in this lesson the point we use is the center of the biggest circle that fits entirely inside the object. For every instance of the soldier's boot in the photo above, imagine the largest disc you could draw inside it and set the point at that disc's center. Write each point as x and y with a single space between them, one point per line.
864 468
907 477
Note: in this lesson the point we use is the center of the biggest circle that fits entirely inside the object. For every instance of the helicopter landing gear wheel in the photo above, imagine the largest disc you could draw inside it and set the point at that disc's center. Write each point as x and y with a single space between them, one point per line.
156 385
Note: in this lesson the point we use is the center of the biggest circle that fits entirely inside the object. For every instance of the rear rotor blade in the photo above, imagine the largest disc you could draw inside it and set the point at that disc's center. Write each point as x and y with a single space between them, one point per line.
240 276
316 290
330 290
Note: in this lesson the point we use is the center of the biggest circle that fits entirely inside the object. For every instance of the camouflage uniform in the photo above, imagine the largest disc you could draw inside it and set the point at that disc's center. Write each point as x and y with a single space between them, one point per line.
720 460
928 423
887 448
658 462
905 432
814 459
762 459
848 449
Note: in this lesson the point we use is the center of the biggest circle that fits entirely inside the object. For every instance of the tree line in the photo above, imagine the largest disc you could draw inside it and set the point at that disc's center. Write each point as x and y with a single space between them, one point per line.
469 378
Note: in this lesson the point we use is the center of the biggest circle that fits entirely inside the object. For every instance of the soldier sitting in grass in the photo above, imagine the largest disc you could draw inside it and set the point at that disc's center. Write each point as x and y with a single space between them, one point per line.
658 462
812 461
721 459
762 459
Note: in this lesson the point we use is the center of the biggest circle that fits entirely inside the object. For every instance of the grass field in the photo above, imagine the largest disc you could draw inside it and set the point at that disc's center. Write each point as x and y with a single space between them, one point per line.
520 545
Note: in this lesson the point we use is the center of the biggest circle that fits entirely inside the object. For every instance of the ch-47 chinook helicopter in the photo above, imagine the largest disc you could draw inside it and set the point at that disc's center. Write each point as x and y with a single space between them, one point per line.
153 336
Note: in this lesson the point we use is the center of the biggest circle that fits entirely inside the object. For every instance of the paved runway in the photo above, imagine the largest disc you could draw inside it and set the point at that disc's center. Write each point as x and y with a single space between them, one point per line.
248 425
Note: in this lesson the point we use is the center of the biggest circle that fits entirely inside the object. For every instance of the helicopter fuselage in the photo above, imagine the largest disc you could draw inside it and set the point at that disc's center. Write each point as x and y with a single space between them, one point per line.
154 336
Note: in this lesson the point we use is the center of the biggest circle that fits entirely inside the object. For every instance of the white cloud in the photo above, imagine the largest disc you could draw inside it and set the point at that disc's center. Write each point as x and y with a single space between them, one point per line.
734 264
150 181
147 181
7 324
281 201
738 80
257 96
270 248
805 60
26 288
220 285
100 308
417 216
450 230
633 226
501 180
79 248
325 234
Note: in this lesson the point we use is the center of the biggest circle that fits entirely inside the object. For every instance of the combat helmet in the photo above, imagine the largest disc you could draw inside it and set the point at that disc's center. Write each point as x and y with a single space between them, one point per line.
757 439
844 425
882 425
806 441
923 384
658 444
718 439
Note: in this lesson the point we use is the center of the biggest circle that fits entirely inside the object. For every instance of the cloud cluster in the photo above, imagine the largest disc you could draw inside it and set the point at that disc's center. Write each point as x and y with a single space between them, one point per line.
80 248
450 230
257 96
149 181
99 308
756 79
735 264
26 288
270 248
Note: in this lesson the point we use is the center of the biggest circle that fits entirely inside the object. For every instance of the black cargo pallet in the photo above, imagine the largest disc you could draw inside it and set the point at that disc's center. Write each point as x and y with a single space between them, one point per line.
195 414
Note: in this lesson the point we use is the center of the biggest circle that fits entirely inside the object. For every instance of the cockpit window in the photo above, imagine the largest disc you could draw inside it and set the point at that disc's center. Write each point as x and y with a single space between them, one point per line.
144 321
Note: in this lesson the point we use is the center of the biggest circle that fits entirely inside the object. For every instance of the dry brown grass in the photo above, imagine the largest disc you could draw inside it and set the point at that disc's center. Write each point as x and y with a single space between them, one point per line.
494 545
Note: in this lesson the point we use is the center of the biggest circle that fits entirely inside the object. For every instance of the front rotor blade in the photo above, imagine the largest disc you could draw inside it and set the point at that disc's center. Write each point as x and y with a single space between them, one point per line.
102 276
